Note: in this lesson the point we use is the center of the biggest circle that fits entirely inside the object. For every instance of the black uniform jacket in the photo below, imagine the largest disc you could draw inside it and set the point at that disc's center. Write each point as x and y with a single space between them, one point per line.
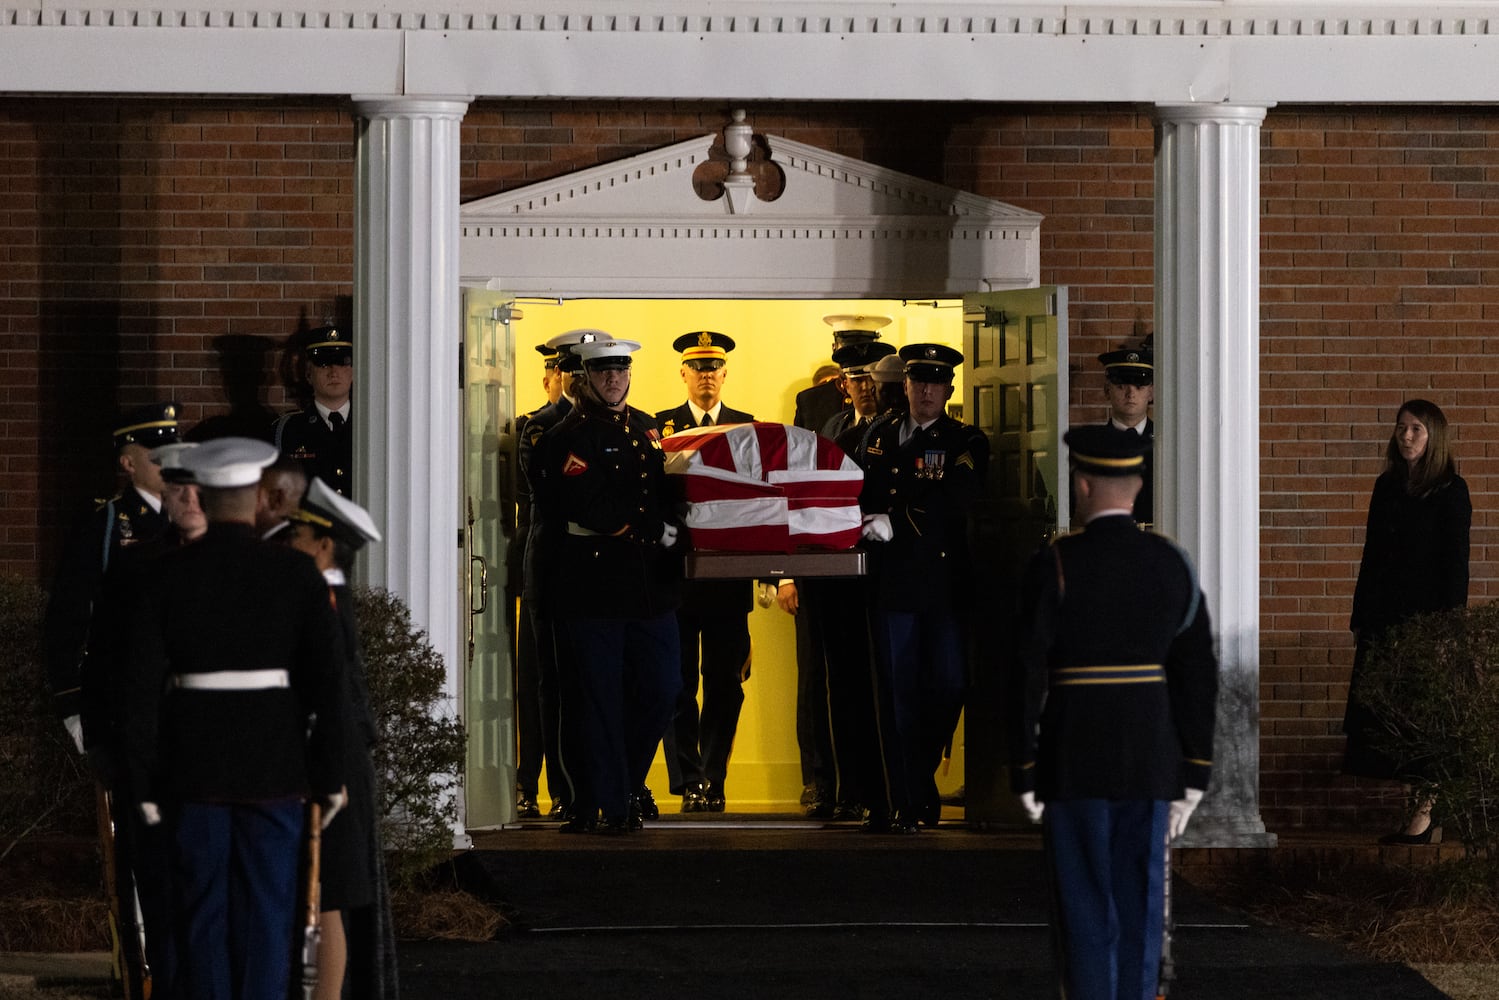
604 476
230 601
1415 553
927 486
543 535
325 453
817 405
680 419
708 597
114 525
1116 665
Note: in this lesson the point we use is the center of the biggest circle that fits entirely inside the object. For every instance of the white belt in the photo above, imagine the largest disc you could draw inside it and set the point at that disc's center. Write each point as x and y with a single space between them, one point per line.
233 680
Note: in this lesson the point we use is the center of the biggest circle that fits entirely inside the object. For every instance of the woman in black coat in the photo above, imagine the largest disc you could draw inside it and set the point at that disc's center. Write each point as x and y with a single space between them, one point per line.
1415 561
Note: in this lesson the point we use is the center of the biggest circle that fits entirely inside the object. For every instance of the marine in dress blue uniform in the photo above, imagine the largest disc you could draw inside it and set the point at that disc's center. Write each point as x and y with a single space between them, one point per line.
922 474
321 434
603 473
713 621
1112 735
535 718
234 653
545 583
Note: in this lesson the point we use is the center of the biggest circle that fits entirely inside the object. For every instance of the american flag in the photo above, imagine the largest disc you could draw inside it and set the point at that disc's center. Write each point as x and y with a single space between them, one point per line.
765 487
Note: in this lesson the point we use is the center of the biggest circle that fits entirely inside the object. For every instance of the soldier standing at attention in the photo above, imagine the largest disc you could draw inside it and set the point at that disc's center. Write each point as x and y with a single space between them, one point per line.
921 476
234 713
321 434
1115 691
130 517
604 475
1129 386
713 621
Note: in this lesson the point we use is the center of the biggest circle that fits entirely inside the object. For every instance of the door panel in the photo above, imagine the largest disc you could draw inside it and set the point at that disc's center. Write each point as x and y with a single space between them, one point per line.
489 520
1016 383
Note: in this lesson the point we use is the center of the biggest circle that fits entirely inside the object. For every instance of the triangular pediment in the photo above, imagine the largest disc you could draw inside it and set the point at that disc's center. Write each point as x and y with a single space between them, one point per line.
837 226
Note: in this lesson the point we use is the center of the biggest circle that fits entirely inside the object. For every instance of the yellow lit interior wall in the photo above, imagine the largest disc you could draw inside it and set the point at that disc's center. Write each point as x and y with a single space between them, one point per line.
779 344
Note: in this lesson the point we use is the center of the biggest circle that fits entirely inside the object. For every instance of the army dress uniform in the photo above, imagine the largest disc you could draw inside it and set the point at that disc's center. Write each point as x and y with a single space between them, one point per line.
1115 694
323 443
127 519
712 629
921 578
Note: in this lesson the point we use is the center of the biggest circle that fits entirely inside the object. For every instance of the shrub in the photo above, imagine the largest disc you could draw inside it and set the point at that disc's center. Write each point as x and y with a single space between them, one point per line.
421 752
45 786
1434 683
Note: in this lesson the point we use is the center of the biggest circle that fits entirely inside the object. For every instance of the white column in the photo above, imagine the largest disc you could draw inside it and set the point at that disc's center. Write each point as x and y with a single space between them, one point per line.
407 332
1207 490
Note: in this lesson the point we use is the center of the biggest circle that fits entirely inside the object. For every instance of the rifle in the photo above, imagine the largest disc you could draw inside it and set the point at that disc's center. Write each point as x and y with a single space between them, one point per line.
312 900
1168 964
131 968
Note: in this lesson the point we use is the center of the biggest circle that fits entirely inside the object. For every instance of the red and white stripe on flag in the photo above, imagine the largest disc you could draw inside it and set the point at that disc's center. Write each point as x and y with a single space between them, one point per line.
765 487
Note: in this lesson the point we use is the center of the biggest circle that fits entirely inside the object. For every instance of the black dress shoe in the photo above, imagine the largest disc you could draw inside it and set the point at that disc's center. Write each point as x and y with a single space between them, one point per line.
613 826
818 809
875 821
526 808
694 801
577 824
558 811
902 823
844 812
716 800
648 807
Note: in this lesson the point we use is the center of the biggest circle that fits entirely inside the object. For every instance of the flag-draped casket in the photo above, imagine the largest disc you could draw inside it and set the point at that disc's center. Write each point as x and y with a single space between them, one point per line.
765 487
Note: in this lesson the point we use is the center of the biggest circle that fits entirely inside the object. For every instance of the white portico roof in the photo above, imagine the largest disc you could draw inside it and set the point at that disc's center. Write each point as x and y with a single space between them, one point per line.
1167 53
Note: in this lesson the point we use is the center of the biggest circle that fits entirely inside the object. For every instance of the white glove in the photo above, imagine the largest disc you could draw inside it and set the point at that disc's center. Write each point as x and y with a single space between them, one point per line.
333 803
1181 811
74 725
877 528
150 813
765 594
668 535
1032 808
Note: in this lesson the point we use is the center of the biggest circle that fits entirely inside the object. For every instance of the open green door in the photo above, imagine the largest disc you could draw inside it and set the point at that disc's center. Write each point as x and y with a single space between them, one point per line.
1016 378
489 519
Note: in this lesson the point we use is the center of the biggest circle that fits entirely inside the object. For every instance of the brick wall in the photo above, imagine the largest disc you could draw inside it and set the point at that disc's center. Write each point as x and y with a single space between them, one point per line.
135 234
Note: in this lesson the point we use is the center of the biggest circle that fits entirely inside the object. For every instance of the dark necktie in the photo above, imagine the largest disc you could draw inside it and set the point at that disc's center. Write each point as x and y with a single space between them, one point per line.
707 420
337 420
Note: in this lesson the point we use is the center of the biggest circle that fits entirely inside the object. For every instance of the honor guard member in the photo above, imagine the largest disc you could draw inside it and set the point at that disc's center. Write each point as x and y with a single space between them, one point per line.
535 734
819 404
142 859
1112 739
855 361
354 896
922 476
616 633
130 517
234 709
322 434
1129 386
544 583
713 621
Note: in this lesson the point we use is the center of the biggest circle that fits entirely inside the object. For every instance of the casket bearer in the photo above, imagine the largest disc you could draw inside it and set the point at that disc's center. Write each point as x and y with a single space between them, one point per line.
922 475
713 622
602 471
